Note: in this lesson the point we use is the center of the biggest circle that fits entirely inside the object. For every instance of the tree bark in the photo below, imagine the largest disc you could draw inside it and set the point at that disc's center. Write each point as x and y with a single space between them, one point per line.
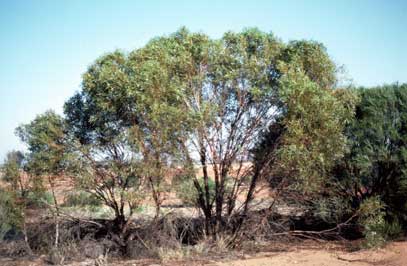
56 212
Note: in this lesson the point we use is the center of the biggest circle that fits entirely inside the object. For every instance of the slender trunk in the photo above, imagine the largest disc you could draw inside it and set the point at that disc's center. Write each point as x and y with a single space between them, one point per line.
206 204
157 210
248 200
56 232
202 205
252 188
55 213
205 177
156 184
23 191
224 170
28 247
156 198
218 201
24 209
203 194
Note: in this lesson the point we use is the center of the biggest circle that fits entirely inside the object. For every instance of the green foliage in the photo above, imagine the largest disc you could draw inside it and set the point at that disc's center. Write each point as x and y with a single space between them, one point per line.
372 216
393 230
306 138
103 108
313 59
313 141
187 192
11 217
39 199
12 167
46 139
372 219
81 198
376 162
230 95
331 209
123 124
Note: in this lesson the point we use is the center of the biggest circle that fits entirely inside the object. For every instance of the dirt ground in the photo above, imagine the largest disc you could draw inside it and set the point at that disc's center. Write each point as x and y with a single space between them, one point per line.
394 254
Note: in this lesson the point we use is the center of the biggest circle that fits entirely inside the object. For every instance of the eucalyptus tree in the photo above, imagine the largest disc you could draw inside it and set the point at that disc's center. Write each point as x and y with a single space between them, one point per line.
227 92
163 121
227 88
47 156
123 124
185 100
98 118
14 198
238 98
179 99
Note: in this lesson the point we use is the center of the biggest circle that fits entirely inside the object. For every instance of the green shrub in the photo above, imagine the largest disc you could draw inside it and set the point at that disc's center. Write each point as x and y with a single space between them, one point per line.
81 199
331 209
393 229
11 217
39 199
376 162
372 218
187 192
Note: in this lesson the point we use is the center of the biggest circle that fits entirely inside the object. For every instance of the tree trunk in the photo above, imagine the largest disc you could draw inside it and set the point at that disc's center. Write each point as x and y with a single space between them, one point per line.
28 247
156 198
206 200
218 200
119 222
55 213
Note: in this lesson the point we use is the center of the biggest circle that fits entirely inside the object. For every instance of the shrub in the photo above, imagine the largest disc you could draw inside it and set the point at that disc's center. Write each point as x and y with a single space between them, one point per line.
11 217
372 218
331 209
187 192
82 199
393 229
39 199
376 162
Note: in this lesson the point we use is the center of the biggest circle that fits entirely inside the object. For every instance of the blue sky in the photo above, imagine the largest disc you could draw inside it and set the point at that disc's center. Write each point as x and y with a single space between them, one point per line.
45 46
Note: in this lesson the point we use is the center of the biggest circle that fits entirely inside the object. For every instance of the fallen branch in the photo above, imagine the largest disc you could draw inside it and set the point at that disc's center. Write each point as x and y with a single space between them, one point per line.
305 233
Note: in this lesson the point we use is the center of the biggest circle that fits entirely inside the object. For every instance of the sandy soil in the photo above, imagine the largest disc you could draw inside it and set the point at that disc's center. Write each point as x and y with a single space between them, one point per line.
395 254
